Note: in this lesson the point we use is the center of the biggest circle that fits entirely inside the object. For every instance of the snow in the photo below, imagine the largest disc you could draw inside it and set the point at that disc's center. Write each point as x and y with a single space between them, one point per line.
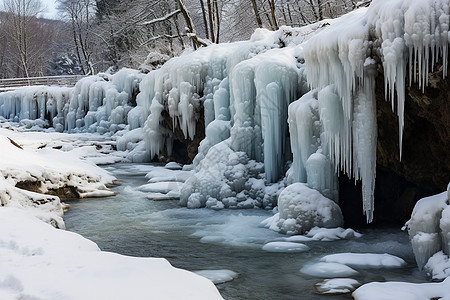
365 260
403 290
332 234
66 261
218 276
336 286
327 270
287 247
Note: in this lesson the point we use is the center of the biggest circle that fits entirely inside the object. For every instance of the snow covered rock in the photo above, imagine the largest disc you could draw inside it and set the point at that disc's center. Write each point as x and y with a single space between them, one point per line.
429 231
28 175
365 260
302 208
327 270
336 286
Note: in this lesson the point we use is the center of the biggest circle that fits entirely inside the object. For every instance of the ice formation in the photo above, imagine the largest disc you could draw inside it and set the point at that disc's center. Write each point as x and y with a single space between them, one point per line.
429 231
97 103
245 92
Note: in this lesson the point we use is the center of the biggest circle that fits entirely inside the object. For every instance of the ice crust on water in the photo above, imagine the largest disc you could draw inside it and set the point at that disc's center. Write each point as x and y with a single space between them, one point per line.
336 286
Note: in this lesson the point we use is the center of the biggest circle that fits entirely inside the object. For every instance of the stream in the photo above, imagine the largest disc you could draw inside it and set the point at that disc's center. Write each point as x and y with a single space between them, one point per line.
205 239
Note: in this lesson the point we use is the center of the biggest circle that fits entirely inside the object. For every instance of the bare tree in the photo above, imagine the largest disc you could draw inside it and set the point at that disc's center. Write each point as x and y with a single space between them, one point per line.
18 24
79 15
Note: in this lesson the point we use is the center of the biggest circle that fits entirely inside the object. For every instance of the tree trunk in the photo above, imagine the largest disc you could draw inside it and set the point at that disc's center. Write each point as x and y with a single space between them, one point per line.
190 25
202 5
257 15
211 20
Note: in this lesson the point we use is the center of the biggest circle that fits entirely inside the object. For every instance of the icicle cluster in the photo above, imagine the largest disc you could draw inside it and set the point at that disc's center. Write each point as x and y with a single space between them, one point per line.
341 63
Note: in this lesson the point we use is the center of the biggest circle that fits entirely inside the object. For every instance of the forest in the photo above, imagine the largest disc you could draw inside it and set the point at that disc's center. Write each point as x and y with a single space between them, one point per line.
87 36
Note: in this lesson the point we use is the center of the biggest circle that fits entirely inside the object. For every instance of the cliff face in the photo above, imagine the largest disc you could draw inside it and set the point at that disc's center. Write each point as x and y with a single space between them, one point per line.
424 168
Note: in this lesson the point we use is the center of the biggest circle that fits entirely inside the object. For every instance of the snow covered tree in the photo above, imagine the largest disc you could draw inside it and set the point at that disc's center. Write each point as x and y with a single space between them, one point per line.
79 15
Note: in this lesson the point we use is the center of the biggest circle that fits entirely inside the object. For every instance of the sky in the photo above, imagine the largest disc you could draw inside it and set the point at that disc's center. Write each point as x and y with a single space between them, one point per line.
48 7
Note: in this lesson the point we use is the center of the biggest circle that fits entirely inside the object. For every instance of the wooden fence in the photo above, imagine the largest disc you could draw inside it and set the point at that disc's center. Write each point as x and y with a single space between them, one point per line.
14 83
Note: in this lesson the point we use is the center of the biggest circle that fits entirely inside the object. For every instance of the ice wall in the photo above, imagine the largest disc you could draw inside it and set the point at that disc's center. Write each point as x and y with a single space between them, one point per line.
98 103
31 103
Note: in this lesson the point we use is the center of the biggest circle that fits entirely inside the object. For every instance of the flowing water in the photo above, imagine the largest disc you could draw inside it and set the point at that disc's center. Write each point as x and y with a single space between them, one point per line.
204 239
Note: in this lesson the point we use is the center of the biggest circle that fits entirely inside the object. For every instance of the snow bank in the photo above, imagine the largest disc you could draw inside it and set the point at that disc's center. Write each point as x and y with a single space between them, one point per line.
46 170
429 230
39 261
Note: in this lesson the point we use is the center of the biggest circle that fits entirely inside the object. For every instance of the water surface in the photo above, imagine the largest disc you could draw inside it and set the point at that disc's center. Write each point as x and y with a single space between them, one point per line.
204 239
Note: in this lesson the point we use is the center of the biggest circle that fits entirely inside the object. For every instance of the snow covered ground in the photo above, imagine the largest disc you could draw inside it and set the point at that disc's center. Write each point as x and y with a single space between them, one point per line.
41 262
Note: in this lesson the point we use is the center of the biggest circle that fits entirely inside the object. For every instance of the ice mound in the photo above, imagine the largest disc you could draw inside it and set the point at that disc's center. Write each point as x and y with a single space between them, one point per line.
328 270
302 208
287 247
218 276
225 178
365 260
